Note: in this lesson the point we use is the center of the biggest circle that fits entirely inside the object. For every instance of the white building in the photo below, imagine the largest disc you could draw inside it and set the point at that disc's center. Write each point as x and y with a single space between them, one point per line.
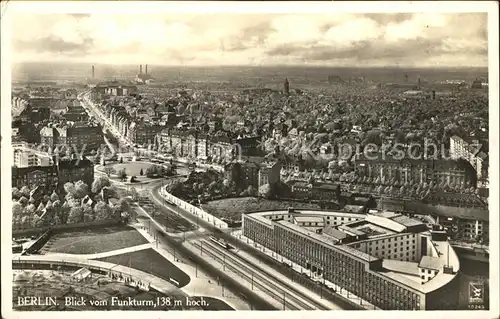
27 158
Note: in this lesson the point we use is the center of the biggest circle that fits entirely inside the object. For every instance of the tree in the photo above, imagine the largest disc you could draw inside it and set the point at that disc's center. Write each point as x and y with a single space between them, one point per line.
122 174
17 209
109 170
88 213
250 190
69 188
141 172
122 206
212 186
134 194
23 201
46 198
75 215
81 189
25 191
30 209
16 193
54 196
36 221
64 212
88 218
99 183
151 171
102 211
265 191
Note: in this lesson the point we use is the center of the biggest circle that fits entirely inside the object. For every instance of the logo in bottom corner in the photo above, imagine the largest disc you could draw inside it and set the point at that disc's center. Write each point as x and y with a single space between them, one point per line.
476 292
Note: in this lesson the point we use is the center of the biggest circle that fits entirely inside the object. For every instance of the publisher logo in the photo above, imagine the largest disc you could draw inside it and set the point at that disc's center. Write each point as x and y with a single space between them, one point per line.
476 294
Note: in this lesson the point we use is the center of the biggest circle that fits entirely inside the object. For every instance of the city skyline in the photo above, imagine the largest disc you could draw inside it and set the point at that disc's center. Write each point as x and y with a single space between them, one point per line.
370 40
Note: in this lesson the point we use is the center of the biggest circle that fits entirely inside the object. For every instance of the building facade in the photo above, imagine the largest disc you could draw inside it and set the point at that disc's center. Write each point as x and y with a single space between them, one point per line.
78 138
387 170
382 263
55 175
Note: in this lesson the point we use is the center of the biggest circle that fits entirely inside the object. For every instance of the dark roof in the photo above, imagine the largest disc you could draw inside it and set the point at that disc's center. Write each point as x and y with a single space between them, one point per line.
73 163
328 186
25 170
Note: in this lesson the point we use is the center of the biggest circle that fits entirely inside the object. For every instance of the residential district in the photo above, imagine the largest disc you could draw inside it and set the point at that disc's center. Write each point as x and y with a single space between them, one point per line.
360 194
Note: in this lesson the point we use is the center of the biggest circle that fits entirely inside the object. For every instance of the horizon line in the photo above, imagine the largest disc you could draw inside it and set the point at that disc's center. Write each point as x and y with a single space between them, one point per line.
259 66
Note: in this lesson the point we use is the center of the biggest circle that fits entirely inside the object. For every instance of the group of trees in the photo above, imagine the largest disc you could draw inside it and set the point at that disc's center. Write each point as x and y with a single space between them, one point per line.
76 203
395 188
158 171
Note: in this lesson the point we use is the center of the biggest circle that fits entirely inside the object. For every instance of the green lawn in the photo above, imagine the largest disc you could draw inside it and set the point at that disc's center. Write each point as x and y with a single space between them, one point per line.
232 208
93 241
133 168
151 262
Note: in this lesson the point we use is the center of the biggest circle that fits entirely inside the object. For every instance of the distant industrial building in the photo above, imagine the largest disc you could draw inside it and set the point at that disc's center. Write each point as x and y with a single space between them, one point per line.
143 78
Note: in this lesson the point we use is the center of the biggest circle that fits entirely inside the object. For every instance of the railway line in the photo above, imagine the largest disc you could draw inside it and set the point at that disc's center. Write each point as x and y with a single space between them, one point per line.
290 297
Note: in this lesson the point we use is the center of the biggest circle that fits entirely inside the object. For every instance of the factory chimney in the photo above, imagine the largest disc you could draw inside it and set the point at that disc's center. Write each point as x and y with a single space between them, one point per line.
433 94
419 82
146 69
93 72
140 68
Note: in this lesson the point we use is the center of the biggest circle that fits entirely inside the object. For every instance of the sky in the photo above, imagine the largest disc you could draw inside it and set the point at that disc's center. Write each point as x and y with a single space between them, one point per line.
409 39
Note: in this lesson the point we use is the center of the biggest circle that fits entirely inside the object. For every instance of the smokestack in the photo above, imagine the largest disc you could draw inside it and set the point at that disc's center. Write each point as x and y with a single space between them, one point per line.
93 73
146 69
433 94
419 82
140 68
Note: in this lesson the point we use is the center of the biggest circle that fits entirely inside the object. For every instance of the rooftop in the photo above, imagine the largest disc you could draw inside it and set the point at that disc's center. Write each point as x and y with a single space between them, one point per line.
335 233
429 262
308 219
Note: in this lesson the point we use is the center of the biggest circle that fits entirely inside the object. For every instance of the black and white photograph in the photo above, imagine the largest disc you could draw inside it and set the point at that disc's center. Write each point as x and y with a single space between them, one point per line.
255 156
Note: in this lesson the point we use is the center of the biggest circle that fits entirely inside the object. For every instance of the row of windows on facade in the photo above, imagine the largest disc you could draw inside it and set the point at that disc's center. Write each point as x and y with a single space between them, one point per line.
345 262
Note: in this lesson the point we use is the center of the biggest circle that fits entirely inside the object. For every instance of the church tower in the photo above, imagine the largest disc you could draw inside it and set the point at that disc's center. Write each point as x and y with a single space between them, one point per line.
286 87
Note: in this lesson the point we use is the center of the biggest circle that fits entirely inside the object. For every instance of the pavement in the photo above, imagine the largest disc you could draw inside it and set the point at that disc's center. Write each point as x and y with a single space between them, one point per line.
105 254
201 284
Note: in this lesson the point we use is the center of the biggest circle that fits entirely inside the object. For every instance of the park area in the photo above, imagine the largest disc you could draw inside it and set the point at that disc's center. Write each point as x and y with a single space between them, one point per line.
232 208
93 241
114 171
151 262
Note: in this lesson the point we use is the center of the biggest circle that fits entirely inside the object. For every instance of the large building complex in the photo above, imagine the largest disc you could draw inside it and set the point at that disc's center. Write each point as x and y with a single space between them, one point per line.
392 261
24 157
82 138
55 175
386 168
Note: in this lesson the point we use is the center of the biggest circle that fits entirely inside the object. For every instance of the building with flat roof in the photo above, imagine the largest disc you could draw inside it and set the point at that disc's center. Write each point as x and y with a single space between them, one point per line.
390 260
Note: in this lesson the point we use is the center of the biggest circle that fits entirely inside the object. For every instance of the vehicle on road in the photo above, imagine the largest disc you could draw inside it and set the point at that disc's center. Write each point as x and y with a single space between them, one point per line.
221 242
